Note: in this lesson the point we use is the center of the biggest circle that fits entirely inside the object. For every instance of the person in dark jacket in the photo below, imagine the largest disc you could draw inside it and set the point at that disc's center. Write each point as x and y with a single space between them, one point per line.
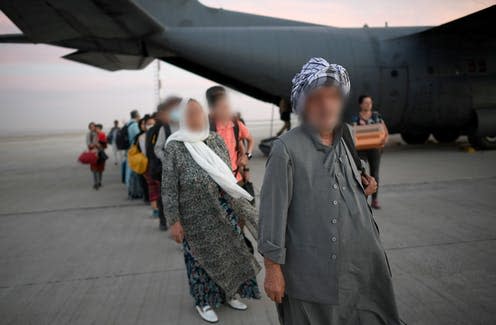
112 136
155 146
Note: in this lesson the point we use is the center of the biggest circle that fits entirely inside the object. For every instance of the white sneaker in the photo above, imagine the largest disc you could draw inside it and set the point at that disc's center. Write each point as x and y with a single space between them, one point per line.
207 313
236 304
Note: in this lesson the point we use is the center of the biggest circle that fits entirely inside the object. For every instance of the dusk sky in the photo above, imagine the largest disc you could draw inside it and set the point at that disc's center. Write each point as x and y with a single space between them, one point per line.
39 91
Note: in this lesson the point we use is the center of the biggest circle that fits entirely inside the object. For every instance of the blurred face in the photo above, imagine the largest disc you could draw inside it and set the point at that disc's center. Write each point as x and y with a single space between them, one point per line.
91 127
323 108
170 115
366 105
222 109
194 117
149 123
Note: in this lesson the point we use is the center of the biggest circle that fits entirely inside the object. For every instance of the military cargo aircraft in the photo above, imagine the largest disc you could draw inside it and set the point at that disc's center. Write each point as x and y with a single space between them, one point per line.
425 80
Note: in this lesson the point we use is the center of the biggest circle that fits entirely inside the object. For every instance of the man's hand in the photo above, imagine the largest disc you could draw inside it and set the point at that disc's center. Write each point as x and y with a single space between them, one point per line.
274 283
177 232
242 161
369 184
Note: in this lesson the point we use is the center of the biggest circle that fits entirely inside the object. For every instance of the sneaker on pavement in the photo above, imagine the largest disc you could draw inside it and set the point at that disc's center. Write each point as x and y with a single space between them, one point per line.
236 304
207 314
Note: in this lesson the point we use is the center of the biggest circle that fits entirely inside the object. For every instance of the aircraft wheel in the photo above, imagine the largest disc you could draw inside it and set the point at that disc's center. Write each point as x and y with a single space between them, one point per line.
415 138
478 142
446 136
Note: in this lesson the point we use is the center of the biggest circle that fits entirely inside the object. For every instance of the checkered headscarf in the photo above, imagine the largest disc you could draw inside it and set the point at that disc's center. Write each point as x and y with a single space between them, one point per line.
316 73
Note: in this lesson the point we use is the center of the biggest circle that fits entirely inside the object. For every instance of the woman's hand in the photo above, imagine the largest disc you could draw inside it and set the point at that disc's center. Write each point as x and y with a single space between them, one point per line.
177 232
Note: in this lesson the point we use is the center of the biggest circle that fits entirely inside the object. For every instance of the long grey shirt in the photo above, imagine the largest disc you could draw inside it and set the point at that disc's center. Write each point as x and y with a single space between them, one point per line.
316 223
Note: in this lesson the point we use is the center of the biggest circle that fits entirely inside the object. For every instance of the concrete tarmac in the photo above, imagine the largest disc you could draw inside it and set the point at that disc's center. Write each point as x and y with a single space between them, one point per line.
72 255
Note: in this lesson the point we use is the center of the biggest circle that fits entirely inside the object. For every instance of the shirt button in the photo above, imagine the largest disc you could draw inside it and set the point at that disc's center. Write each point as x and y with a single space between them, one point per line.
335 186
335 202
333 256
344 188
334 220
333 239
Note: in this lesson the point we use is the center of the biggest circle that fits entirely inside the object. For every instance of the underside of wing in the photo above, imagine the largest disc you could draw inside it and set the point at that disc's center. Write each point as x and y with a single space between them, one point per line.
58 20
110 61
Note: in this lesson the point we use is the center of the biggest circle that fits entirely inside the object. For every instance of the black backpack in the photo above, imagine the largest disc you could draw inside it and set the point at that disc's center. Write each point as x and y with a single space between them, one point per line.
122 139
154 163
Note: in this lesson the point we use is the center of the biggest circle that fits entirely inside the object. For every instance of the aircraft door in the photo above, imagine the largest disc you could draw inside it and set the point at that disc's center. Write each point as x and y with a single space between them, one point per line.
393 95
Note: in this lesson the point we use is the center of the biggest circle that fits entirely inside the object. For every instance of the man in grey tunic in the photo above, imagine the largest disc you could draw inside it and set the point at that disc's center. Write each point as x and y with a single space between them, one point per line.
325 264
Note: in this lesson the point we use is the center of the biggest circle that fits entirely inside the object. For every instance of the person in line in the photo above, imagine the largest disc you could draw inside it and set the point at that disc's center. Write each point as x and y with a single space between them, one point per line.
145 124
239 118
155 143
112 141
285 115
203 204
325 263
368 116
231 130
98 145
134 188
91 135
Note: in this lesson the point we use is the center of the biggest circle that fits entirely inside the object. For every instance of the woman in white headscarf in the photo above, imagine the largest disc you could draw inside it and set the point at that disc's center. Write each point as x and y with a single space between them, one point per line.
203 205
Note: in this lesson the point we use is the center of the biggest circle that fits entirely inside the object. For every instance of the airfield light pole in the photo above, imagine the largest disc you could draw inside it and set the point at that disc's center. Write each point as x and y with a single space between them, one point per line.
272 121
158 82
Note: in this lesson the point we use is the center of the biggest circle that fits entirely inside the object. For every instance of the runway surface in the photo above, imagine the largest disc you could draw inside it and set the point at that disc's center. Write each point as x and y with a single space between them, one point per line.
72 255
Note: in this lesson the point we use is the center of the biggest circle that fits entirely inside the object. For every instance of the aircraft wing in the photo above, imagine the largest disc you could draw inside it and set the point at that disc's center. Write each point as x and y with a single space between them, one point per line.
109 61
57 20
93 27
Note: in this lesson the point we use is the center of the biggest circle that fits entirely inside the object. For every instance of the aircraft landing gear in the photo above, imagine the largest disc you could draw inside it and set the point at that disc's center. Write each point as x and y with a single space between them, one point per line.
446 136
479 142
415 137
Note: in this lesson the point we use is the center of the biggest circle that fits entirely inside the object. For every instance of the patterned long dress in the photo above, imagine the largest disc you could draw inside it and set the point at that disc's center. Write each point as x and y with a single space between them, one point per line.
203 289
217 258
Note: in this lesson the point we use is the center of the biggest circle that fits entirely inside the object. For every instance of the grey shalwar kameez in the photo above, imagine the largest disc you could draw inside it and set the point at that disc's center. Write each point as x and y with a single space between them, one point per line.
316 223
